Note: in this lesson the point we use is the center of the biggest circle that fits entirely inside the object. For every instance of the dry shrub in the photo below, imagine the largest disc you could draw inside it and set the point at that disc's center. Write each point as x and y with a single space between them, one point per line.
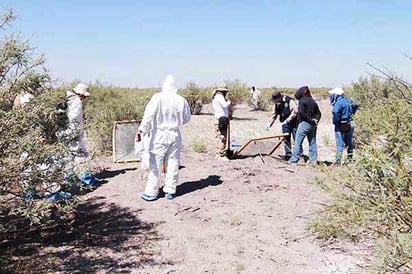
374 194
196 97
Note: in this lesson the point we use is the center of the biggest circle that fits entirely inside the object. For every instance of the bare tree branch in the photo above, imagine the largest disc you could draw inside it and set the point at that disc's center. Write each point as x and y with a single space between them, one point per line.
6 18
395 80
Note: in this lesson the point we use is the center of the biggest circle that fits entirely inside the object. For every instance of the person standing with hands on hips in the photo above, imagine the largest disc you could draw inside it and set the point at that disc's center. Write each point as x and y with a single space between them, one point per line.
165 113
308 118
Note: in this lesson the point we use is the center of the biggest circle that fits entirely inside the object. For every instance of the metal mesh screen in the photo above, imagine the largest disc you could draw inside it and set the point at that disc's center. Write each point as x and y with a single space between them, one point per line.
124 133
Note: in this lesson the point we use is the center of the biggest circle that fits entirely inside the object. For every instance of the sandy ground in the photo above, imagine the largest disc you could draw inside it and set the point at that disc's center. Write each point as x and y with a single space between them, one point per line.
242 216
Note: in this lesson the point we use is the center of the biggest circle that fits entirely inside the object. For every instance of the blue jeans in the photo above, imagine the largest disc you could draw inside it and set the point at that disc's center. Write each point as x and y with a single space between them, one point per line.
286 128
305 130
344 139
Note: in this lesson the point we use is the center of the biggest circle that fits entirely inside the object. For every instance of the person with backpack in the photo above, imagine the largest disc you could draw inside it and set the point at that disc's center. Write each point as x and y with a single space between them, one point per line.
308 118
286 109
342 111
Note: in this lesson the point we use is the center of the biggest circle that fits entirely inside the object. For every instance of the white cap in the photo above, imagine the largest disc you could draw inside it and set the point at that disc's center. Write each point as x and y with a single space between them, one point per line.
337 91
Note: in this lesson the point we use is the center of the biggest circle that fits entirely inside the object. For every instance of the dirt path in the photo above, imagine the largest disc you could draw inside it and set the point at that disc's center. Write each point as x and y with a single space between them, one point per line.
243 216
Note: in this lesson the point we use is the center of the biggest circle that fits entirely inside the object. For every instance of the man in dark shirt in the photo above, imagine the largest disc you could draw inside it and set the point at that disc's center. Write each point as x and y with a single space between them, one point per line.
286 109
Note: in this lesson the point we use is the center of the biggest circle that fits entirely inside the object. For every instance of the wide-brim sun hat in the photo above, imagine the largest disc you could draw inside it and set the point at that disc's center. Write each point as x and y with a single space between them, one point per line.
221 89
82 89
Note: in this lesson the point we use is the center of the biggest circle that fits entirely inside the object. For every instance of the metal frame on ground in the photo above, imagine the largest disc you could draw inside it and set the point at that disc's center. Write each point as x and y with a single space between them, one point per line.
281 138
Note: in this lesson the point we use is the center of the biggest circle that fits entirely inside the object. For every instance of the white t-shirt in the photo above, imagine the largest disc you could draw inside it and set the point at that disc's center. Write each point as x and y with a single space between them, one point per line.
220 106
256 94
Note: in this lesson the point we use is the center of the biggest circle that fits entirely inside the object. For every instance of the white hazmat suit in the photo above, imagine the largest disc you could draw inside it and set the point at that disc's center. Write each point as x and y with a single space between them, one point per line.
164 114
75 118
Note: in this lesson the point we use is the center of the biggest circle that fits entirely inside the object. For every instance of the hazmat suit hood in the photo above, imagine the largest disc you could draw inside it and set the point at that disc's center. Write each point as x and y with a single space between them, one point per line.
169 85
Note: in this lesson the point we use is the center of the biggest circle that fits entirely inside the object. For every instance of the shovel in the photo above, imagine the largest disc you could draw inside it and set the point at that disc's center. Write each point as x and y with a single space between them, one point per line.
229 152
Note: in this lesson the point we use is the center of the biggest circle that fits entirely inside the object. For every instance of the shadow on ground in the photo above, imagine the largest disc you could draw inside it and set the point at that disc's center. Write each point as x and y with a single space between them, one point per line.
244 119
99 236
113 173
212 180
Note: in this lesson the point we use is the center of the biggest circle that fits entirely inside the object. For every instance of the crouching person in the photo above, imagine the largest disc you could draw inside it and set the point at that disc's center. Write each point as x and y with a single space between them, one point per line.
163 116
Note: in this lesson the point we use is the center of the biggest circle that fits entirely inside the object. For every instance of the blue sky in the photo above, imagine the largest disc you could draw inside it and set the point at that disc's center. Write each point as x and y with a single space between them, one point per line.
263 43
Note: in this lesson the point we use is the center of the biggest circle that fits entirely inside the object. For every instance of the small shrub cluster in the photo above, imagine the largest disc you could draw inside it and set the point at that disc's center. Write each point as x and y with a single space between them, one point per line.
374 194
200 145
196 97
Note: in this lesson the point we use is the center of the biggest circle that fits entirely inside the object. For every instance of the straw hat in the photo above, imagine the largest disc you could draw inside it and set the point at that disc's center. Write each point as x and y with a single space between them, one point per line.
82 89
221 89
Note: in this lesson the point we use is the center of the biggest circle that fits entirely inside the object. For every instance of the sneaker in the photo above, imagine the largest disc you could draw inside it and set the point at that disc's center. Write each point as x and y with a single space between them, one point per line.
285 157
313 163
170 196
305 158
147 198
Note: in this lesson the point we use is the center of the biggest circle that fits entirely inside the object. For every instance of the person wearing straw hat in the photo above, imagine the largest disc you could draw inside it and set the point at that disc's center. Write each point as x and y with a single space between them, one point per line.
221 110
75 98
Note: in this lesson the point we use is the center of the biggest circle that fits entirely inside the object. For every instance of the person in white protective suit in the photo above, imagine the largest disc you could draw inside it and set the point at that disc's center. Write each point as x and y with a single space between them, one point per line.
163 116
74 99
22 99
256 97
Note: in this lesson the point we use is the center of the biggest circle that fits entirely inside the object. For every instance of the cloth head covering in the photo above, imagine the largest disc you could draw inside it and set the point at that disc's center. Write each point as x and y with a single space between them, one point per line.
299 93
169 84
81 89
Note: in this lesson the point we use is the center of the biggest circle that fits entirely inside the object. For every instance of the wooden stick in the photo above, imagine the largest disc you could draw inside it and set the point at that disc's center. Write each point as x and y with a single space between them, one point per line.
114 142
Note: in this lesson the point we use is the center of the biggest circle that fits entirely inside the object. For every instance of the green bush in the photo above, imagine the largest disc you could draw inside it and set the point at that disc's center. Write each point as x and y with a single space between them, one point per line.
30 155
374 194
200 145
107 104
